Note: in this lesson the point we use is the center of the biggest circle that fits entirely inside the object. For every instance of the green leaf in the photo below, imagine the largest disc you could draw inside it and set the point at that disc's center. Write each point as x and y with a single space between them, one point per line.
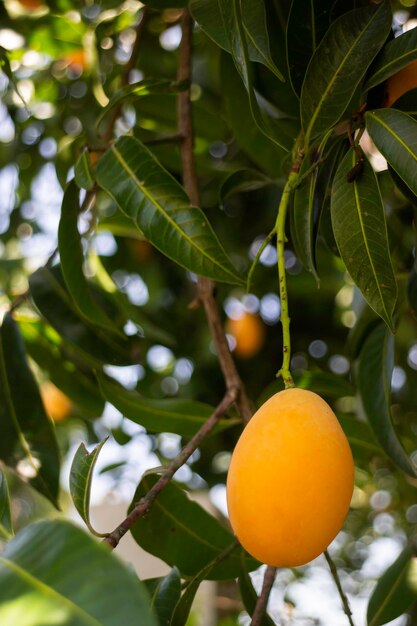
338 65
395 135
254 22
27 442
81 476
361 235
137 90
96 344
77 382
396 590
41 581
305 211
179 531
183 417
158 204
83 171
72 260
6 527
252 141
213 17
248 593
307 23
165 593
374 381
243 180
360 436
183 607
397 53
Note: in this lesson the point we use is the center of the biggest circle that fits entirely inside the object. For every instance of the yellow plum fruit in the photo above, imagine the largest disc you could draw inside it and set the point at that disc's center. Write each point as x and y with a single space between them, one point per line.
290 479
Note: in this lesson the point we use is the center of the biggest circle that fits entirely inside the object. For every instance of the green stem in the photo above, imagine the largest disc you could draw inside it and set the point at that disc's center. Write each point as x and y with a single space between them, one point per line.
285 318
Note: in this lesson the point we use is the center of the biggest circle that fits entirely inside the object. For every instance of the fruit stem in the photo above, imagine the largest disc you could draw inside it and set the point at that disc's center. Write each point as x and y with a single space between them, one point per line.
285 318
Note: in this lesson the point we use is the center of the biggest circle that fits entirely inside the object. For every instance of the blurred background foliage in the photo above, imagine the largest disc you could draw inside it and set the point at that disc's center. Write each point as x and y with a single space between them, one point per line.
62 61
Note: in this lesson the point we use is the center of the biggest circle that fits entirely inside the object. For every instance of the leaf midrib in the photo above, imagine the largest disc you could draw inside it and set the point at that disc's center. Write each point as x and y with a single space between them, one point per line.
46 590
166 215
365 240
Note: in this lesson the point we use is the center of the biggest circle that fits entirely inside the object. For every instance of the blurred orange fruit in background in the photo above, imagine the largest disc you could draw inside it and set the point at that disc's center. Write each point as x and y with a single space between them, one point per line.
249 333
57 404
398 84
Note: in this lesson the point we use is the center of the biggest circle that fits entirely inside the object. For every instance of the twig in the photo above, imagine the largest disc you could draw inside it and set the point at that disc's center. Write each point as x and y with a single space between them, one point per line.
285 318
263 598
143 506
343 597
205 286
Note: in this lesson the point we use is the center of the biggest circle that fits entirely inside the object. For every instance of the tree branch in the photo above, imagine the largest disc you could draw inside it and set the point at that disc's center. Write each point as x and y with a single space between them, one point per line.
143 506
343 597
262 601
205 286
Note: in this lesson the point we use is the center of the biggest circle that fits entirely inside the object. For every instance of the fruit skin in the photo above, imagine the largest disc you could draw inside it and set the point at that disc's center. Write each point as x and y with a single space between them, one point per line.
56 403
249 332
290 480
401 82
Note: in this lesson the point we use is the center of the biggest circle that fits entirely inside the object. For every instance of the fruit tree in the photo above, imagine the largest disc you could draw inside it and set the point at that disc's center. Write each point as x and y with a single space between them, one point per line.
207 213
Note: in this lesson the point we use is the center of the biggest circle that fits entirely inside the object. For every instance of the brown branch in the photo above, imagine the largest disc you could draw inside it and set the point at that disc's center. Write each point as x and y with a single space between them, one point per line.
114 113
143 506
343 597
205 286
263 598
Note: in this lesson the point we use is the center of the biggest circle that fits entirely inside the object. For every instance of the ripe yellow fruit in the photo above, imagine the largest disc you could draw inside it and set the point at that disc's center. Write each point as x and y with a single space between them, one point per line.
56 403
249 333
290 480
401 82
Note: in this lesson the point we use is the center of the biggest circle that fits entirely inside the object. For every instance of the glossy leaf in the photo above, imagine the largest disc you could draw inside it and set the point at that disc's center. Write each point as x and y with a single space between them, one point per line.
243 180
396 590
153 199
248 594
40 581
96 344
338 65
307 23
361 235
6 528
27 442
183 417
72 260
305 211
182 610
179 531
81 476
165 593
83 171
255 24
250 139
213 16
395 135
77 382
397 53
374 380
